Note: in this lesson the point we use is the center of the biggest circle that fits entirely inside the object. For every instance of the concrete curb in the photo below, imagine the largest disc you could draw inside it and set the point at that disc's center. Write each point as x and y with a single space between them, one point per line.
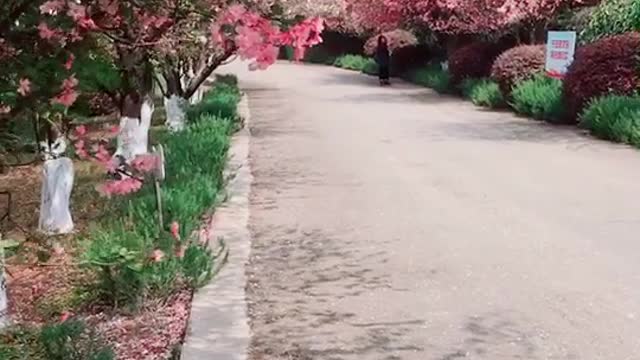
219 325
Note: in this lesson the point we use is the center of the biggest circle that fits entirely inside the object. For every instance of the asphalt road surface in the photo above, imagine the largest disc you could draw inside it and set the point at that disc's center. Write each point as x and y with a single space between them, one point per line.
394 223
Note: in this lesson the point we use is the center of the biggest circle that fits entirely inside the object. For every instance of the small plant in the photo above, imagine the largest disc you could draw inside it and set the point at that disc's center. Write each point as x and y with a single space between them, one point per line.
467 85
487 93
614 117
221 101
71 340
517 64
352 62
540 98
434 77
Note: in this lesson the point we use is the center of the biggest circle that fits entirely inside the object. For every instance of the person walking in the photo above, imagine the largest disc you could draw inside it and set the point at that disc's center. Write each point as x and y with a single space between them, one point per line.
383 58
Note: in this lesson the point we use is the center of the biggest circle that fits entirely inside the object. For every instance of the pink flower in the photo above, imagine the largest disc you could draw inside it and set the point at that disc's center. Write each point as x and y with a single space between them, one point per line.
157 255
5 109
175 230
25 87
180 250
57 250
68 95
80 149
204 236
119 187
52 7
102 155
47 33
65 316
80 131
145 163
69 64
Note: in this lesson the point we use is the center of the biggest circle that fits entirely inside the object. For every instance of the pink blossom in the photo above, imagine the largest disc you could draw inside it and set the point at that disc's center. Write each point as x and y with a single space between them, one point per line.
80 131
69 64
80 149
204 236
5 109
65 316
175 230
57 250
68 95
52 7
102 154
47 33
145 163
119 187
157 255
109 6
25 87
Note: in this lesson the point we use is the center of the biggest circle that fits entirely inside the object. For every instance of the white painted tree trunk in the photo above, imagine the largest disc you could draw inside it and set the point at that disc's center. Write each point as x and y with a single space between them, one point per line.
57 183
133 139
197 96
176 116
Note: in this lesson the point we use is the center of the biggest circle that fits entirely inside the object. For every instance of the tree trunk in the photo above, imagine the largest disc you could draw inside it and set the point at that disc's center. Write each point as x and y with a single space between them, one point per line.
57 183
175 105
135 121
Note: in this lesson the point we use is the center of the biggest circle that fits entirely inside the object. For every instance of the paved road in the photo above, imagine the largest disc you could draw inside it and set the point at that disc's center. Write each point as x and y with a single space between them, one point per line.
392 223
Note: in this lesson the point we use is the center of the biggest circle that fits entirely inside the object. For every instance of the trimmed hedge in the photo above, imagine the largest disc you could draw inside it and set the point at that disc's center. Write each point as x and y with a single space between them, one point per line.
607 66
517 64
614 117
409 58
540 98
473 61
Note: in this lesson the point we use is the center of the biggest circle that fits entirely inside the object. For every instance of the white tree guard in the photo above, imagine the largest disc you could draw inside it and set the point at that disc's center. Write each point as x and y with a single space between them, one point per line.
57 183
133 139
176 116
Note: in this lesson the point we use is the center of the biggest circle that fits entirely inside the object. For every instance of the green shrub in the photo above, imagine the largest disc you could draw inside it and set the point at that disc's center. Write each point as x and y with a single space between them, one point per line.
612 17
434 77
220 101
467 85
68 340
539 97
120 248
371 68
614 117
228 79
352 62
487 93
607 66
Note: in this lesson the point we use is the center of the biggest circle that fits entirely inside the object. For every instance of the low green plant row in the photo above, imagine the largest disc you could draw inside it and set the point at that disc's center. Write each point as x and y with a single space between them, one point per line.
357 63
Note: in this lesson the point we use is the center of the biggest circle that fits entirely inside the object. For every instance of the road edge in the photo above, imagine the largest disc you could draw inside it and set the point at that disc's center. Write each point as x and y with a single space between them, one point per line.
219 323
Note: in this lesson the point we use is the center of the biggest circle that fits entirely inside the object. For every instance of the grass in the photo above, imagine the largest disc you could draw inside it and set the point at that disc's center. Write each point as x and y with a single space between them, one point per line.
432 76
539 97
355 62
483 92
615 118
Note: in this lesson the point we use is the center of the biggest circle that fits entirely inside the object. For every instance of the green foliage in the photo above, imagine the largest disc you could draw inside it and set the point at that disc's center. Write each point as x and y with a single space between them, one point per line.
539 97
120 249
486 93
69 340
467 85
612 17
371 68
318 55
614 117
434 77
228 79
352 62
221 101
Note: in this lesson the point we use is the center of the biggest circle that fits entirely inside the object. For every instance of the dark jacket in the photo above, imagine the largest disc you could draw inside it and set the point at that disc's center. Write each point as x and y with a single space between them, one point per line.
382 56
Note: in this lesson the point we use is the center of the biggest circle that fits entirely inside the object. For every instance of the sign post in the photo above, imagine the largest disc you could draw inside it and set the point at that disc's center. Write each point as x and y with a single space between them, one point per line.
159 176
561 47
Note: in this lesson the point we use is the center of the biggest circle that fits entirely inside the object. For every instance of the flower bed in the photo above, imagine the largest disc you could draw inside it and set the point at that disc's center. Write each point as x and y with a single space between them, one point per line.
128 280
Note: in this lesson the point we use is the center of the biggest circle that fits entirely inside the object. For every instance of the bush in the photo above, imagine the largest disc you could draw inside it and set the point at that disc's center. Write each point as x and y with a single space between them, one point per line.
611 17
539 97
121 246
473 61
68 340
486 93
607 66
409 58
220 101
371 68
434 77
614 117
516 65
352 62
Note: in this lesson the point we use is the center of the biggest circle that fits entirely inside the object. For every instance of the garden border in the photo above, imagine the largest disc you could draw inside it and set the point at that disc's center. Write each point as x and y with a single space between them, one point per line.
219 324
